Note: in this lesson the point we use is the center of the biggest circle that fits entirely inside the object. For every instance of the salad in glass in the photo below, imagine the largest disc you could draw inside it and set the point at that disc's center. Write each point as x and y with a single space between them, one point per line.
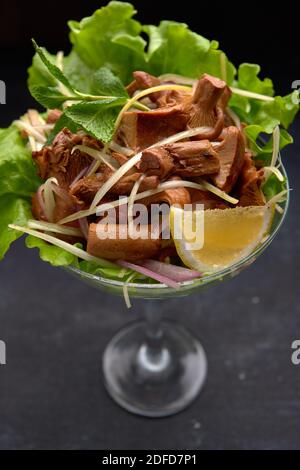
130 122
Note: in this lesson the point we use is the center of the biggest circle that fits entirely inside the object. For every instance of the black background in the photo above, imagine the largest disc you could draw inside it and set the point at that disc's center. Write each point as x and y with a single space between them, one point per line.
51 394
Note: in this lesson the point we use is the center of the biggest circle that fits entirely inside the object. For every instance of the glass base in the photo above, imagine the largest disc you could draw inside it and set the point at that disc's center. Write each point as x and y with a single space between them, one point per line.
157 376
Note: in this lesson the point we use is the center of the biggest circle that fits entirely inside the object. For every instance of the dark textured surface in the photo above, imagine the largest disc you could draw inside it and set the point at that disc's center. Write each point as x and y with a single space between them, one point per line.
56 328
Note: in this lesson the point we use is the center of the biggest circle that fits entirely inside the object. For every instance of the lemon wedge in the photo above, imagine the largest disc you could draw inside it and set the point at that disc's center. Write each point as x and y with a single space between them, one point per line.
228 235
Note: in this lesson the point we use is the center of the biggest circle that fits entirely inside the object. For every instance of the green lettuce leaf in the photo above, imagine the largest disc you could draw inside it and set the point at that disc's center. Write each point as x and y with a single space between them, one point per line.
266 114
13 210
174 48
262 144
110 38
54 255
18 180
118 273
273 186
18 175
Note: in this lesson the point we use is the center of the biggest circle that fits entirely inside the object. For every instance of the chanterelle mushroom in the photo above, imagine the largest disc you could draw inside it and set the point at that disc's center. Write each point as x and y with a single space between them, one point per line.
186 159
231 153
206 108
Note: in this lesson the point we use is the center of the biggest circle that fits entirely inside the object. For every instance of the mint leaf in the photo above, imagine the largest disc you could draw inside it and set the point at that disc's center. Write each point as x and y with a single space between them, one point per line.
49 97
52 68
62 122
96 118
38 73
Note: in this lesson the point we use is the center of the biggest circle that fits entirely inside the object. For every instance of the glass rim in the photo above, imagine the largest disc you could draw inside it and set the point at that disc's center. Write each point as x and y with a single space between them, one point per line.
201 280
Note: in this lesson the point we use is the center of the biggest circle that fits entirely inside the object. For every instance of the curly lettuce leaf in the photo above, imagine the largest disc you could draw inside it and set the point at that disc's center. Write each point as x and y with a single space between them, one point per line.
262 144
269 113
273 186
174 48
13 210
18 174
117 273
54 255
18 180
110 38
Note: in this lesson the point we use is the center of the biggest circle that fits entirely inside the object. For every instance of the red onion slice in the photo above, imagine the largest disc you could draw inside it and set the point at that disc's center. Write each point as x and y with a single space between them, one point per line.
147 272
176 273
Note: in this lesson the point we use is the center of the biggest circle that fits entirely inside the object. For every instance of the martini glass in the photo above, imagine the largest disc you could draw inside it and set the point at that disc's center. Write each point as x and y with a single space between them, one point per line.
154 367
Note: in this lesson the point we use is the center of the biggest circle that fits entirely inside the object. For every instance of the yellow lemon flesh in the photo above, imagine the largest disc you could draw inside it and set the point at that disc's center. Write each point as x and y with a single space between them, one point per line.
229 236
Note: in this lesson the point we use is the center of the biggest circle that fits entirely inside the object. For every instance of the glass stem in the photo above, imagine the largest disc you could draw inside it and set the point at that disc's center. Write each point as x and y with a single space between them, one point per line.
153 356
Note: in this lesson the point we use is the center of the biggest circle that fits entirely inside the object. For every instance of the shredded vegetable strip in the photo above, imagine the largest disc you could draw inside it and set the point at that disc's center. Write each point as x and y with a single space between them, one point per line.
120 149
173 77
49 198
276 145
93 168
25 126
236 120
204 186
55 228
79 176
238 91
250 94
125 290
60 64
136 158
277 198
131 200
273 169
99 155
36 119
74 250
146 92
279 209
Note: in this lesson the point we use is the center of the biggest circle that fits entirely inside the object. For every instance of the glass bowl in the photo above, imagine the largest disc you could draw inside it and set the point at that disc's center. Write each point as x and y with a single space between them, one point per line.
157 368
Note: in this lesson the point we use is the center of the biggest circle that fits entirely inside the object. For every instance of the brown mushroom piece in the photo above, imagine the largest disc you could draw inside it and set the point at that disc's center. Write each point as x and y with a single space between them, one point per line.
205 109
194 158
157 161
231 152
186 159
141 129
86 188
175 196
57 159
250 193
208 199
143 80
113 242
